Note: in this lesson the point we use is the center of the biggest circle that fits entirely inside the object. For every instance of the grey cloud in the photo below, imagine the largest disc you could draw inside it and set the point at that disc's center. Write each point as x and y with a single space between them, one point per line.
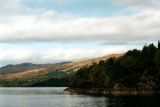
50 26
145 26
129 43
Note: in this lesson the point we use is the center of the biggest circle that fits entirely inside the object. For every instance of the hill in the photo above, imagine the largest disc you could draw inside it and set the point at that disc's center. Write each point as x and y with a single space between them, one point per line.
8 69
44 74
137 72
75 66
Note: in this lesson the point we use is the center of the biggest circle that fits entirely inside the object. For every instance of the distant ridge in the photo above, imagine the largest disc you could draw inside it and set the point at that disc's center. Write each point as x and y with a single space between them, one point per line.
64 67
25 66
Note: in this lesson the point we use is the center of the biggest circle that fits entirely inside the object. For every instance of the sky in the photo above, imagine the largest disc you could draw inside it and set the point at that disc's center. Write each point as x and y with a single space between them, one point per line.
51 31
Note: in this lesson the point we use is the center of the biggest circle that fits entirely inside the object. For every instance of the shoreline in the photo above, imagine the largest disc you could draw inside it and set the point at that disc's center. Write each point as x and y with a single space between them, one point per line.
104 92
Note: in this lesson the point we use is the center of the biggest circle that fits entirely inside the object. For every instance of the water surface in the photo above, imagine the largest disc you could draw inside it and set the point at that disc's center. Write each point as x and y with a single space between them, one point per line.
56 97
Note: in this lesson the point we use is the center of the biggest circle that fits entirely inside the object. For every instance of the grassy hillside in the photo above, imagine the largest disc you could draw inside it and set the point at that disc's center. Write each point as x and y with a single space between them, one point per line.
47 75
25 67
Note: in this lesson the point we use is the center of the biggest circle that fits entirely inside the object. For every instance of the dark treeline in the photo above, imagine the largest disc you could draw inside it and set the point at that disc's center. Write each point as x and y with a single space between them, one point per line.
137 69
52 79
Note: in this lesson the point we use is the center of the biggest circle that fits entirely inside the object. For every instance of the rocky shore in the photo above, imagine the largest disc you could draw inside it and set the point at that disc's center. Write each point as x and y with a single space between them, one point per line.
105 92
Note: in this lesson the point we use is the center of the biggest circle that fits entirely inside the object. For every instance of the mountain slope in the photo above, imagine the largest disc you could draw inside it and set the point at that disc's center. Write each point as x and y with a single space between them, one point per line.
137 72
25 67
69 67
75 66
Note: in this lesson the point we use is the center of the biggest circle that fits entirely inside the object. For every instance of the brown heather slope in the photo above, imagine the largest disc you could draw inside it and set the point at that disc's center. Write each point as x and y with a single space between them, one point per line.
87 63
25 74
70 67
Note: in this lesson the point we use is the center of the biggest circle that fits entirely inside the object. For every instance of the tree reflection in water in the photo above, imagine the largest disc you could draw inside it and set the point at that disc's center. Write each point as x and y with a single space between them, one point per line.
136 101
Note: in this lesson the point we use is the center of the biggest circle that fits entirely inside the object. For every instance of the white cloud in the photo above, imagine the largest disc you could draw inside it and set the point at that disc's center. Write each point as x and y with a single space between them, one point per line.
46 26
51 26
20 55
19 25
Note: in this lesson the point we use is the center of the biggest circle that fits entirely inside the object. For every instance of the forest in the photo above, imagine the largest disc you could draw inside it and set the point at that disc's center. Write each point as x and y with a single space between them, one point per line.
137 69
52 79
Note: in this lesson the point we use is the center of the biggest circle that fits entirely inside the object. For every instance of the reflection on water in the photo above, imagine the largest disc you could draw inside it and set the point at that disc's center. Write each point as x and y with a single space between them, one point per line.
55 97
150 101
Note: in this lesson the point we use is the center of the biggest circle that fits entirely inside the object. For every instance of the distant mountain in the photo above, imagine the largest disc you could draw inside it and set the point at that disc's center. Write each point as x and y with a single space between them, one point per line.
18 68
30 75
64 67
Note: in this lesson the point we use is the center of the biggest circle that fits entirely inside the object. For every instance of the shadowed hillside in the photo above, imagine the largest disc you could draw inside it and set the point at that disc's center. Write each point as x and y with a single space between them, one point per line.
137 70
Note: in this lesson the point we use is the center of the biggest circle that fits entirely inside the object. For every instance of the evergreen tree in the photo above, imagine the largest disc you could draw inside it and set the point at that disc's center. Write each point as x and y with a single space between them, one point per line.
159 44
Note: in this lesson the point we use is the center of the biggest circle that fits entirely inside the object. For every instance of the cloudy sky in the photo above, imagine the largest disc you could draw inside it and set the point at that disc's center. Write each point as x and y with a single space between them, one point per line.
50 31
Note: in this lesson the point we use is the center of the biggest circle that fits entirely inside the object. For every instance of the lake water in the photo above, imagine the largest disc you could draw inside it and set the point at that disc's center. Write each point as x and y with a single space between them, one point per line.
55 97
